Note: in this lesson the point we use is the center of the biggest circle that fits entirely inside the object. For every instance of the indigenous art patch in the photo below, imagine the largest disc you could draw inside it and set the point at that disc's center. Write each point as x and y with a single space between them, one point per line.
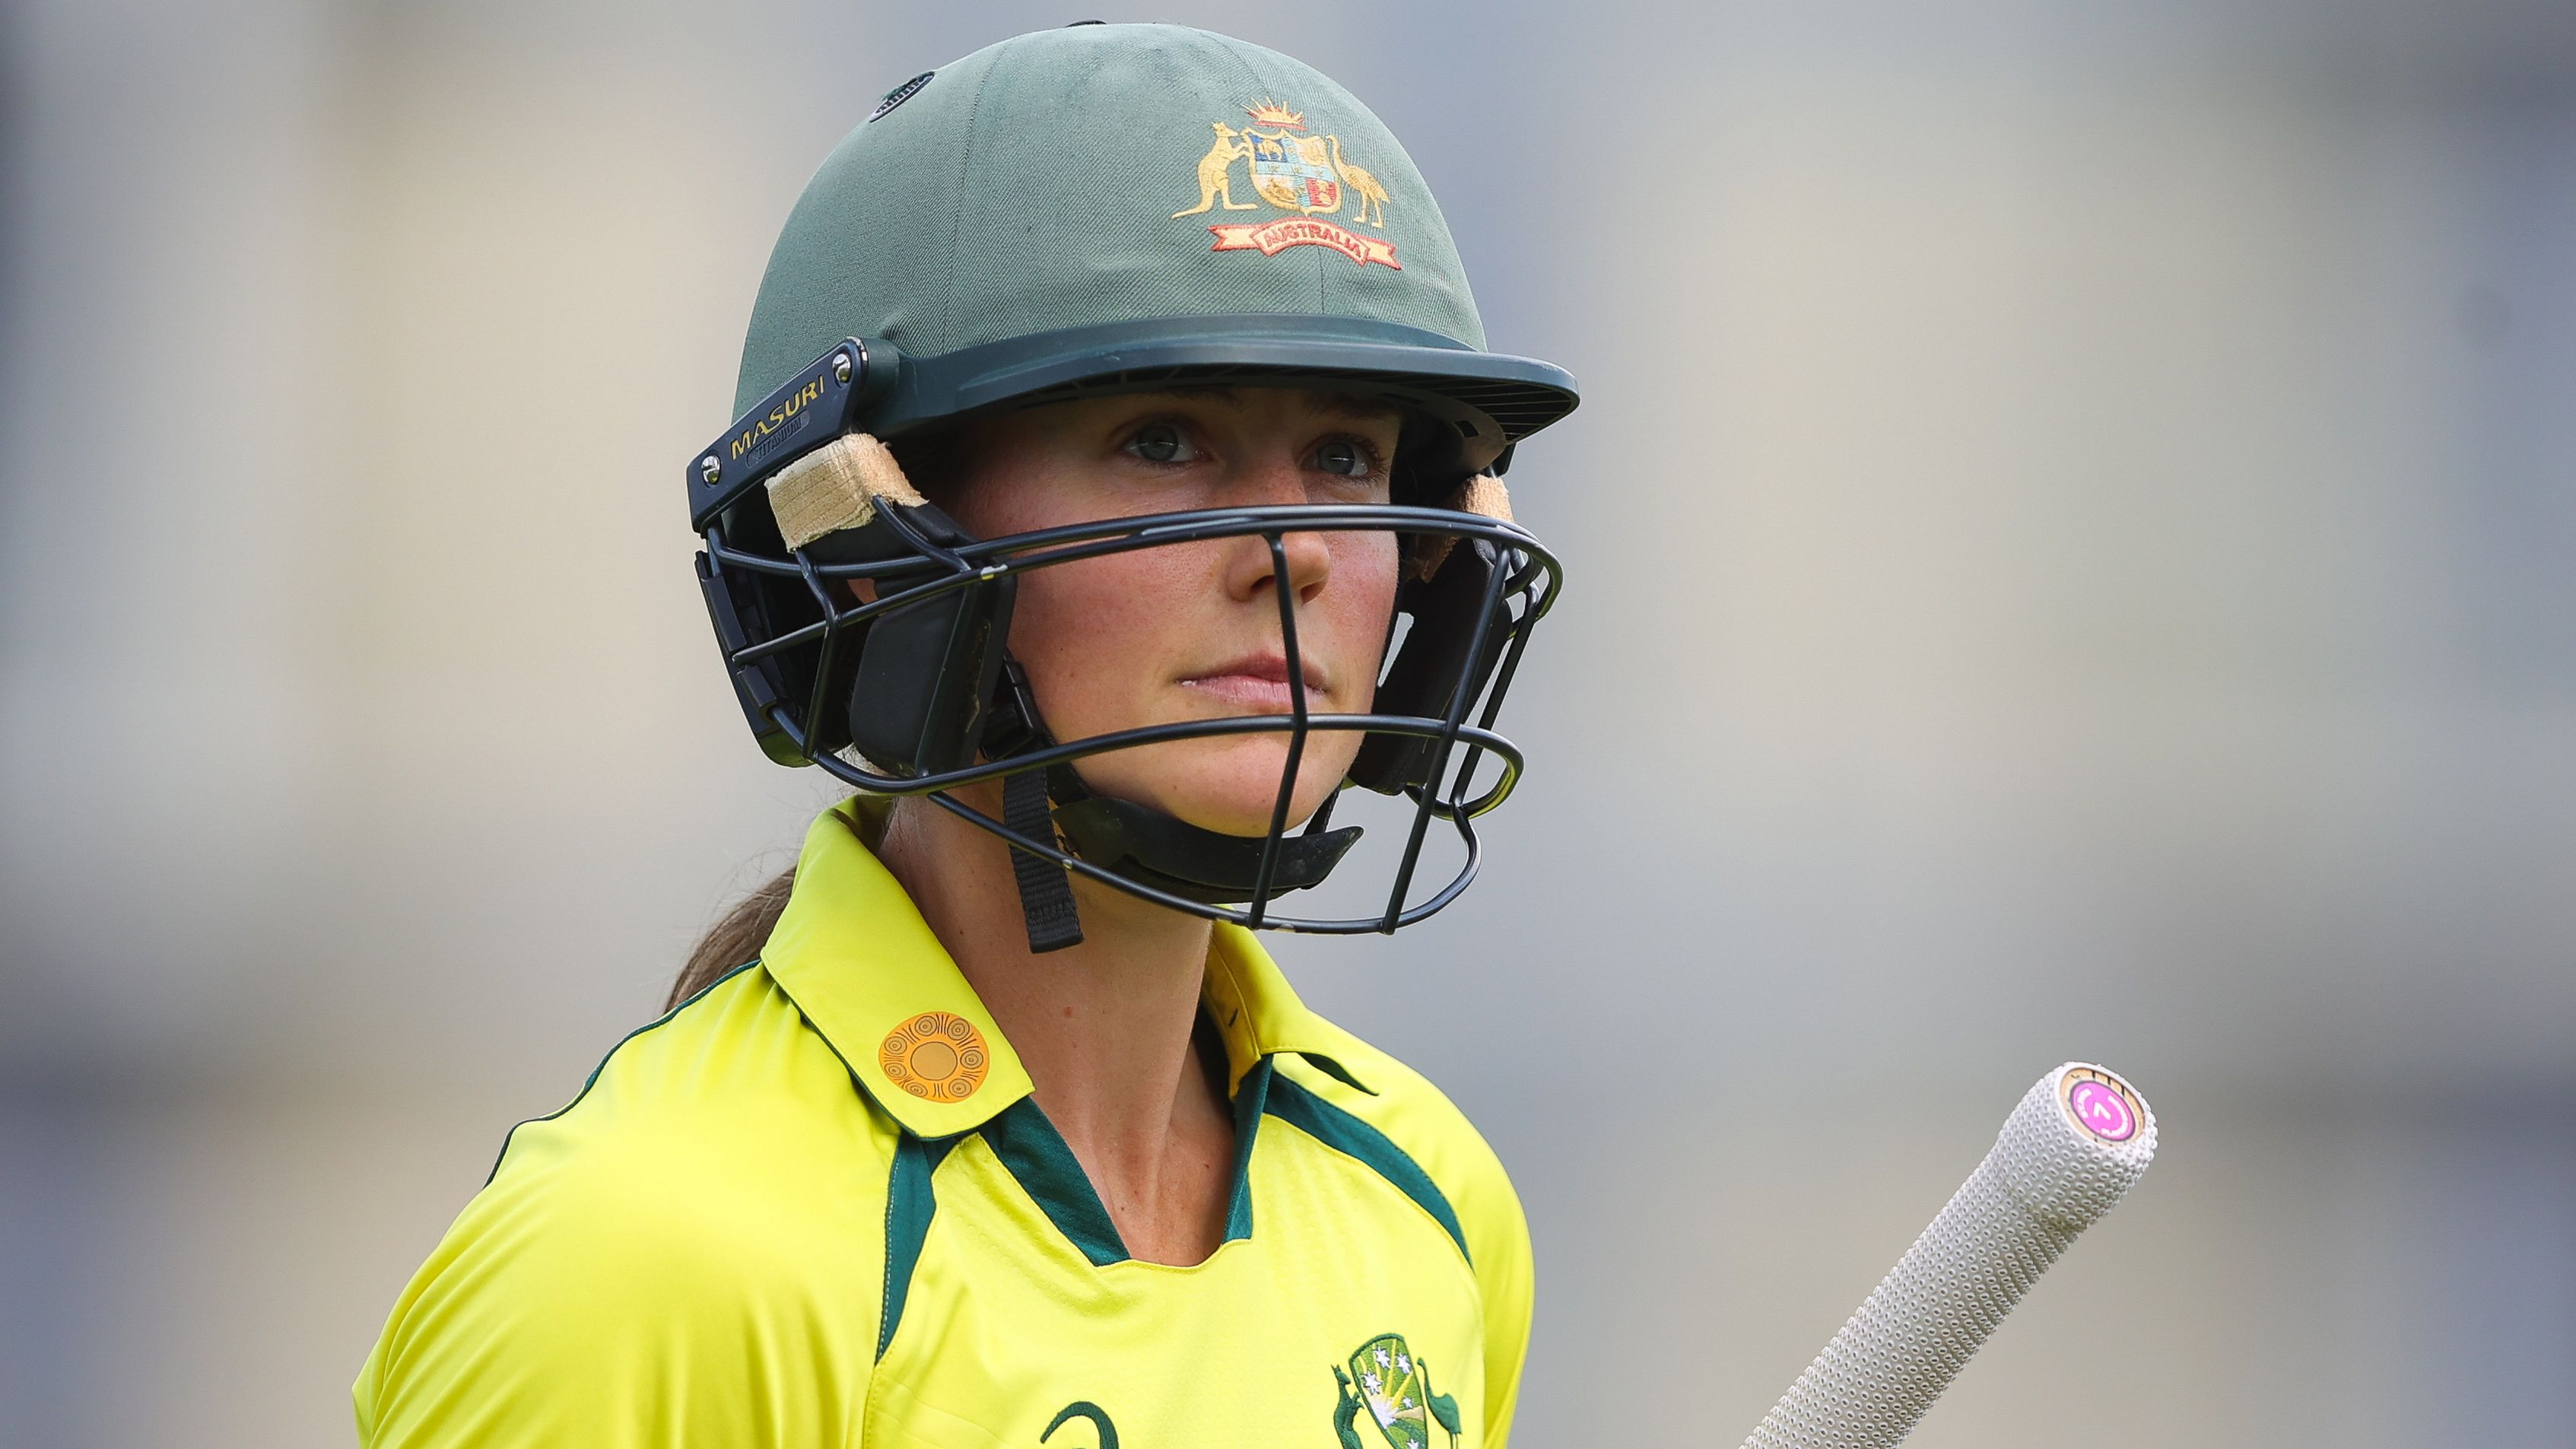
937 1056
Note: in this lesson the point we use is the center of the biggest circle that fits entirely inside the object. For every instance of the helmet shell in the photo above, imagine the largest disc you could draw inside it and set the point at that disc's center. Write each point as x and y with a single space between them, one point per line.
1009 226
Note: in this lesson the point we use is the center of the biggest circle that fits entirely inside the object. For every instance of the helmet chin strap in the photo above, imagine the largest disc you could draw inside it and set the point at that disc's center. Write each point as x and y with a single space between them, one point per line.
1131 841
1046 889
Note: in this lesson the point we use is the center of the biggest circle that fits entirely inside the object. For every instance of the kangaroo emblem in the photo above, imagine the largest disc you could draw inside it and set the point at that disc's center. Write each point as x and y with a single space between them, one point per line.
1346 1411
1216 172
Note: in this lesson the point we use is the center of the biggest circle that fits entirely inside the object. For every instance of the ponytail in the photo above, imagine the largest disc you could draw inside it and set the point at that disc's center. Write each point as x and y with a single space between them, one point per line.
936 461
735 939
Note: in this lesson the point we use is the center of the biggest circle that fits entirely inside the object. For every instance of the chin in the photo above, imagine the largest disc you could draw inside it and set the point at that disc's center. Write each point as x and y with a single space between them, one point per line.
1228 786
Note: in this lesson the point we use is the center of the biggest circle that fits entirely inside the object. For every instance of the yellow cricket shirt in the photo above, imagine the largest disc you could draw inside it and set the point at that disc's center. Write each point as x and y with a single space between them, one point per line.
817 1205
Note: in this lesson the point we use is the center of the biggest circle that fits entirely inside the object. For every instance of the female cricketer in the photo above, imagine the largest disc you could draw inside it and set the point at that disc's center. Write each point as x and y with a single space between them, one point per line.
1114 487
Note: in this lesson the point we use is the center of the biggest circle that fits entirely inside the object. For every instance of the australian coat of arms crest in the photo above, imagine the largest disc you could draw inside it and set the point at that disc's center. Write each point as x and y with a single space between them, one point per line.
1386 1382
1295 172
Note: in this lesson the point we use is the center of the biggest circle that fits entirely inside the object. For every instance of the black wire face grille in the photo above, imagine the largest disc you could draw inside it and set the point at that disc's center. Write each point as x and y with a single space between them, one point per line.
1519 590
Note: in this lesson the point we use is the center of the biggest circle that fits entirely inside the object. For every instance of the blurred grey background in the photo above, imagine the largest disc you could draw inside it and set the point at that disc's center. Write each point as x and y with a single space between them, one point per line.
2073 553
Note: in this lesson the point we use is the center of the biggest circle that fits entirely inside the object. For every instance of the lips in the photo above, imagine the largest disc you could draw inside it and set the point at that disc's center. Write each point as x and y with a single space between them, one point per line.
1257 681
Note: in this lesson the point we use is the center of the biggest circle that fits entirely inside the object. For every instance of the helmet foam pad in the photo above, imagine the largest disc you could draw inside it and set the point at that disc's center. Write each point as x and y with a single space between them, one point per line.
837 486
1482 495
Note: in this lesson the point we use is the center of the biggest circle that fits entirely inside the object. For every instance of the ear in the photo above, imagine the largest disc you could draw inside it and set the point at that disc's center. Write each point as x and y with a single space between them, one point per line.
920 680
1444 591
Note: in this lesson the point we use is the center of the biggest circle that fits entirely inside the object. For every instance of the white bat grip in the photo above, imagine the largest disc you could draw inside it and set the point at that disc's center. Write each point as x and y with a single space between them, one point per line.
2079 1138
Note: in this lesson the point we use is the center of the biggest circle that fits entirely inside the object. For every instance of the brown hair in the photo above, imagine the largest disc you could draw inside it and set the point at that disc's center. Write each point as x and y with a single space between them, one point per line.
735 939
936 462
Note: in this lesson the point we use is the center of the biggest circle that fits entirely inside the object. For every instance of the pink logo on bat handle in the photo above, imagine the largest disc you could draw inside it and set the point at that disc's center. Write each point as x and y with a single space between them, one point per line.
2102 1110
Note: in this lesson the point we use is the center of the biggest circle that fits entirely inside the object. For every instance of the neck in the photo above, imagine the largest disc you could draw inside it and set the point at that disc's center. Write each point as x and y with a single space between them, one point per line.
1106 1029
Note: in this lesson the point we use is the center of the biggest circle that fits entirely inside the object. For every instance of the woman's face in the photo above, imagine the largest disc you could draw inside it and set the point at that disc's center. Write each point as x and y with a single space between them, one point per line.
1191 631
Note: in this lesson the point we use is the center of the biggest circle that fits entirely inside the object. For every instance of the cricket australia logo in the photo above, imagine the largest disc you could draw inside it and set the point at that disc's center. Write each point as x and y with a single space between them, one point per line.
1295 172
1394 1388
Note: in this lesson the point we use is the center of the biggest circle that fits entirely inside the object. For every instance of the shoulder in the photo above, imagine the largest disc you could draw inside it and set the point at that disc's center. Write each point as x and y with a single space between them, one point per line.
1379 1105
732 1089
711 1198
1372 1105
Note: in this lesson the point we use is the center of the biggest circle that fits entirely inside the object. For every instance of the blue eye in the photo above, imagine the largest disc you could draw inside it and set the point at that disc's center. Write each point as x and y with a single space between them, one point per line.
1344 456
1159 443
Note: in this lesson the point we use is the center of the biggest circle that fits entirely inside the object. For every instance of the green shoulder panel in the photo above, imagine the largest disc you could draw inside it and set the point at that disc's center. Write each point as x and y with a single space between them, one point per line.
910 1205
1354 1137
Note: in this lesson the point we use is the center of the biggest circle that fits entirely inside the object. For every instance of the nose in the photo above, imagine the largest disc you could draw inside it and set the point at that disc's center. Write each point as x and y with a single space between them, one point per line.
1251 565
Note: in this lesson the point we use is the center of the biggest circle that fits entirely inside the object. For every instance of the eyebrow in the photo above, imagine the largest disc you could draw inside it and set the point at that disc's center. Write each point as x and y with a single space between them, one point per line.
1331 401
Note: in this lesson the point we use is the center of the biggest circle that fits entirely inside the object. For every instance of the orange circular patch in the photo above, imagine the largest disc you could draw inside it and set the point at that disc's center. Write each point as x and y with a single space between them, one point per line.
937 1056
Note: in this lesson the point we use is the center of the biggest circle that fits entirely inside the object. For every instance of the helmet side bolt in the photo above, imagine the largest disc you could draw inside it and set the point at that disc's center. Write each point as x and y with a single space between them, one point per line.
709 470
841 367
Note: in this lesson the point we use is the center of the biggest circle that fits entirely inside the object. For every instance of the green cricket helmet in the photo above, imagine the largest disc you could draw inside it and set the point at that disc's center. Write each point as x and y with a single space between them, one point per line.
1102 209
